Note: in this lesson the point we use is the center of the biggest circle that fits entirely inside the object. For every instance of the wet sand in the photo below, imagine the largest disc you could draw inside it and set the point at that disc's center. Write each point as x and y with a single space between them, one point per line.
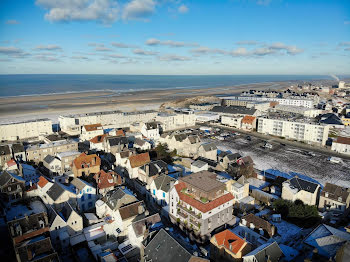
53 105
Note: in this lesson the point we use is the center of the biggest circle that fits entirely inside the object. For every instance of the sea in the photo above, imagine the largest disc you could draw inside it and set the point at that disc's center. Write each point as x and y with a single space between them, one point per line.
42 84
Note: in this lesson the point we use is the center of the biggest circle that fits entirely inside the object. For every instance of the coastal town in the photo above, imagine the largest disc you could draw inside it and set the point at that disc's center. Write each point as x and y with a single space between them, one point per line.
259 176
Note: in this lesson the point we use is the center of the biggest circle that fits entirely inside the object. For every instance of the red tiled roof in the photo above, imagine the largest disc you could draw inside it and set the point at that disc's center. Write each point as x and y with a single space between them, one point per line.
98 139
105 180
92 127
343 140
11 163
139 160
227 238
204 207
248 120
42 181
120 132
84 160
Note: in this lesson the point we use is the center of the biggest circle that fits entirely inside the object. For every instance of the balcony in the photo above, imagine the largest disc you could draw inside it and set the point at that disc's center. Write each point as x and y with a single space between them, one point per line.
181 214
189 211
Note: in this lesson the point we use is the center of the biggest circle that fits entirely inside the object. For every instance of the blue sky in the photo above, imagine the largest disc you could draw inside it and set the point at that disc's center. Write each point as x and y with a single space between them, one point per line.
175 37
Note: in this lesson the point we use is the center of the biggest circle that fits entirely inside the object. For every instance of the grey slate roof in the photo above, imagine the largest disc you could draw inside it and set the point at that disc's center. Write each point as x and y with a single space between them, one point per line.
49 158
67 210
17 148
163 182
157 167
118 198
234 110
114 141
209 147
269 249
203 180
302 184
138 226
5 150
164 247
79 183
233 157
198 163
5 177
335 192
55 191
151 125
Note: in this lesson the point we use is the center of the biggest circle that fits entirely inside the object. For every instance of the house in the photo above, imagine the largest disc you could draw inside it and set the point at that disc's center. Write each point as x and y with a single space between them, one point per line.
334 197
341 145
140 229
5 154
208 150
53 164
107 181
142 144
90 131
11 186
200 202
10 165
84 165
58 194
199 165
85 194
227 246
255 229
148 172
150 130
161 246
304 190
134 162
248 122
122 157
29 173
67 159
64 220
115 144
28 227
96 142
39 248
327 240
230 159
185 145
264 253
239 189
160 188
18 152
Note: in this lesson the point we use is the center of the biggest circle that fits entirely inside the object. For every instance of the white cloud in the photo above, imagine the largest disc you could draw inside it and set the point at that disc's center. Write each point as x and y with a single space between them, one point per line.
46 58
174 58
12 22
344 44
240 52
13 52
117 56
154 41
122 45
139 9
247 42
80 57
105 11
48 47
183 9
103 49
143 52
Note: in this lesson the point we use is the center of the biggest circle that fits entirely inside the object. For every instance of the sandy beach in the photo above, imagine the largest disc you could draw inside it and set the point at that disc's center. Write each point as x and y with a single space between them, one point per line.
51 106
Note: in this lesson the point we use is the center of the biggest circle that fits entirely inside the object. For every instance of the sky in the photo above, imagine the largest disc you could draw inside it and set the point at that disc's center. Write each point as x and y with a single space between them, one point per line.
167 37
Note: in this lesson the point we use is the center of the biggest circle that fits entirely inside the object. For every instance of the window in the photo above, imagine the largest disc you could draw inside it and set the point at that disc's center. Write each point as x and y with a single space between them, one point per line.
82 198
154 192
89 196
163 194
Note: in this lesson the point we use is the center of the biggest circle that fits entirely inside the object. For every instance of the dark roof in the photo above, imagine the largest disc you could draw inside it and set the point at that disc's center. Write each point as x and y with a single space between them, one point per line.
302 184
121 140
41 247
209 147
131 210
222 154
67 210
49 158
203 180
5 150
163 182
157 167
210 162
5 177
180 137
142 224
269 249
17 148
335 192
55 191
28 223
330 119
118 198
269 229
163 247
234 110
151 125
234 156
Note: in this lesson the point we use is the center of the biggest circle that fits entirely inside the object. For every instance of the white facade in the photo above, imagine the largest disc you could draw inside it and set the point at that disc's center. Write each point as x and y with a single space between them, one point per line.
307 112
282 101
231 120
176 121
207 117
89 134
310 133
25 129
341 148
149 132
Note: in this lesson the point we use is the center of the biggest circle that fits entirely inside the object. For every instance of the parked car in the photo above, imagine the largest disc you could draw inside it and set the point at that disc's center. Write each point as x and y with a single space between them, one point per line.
334 159
248 138
311 153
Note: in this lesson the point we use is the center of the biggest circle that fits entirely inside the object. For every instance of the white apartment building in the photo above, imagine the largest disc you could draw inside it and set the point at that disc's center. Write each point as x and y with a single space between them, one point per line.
282 101
175 121
25 129
341 145
307 112
232 120
307 132
71 124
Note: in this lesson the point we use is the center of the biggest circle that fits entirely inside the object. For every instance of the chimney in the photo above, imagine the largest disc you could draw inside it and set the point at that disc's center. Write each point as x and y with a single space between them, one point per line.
244 222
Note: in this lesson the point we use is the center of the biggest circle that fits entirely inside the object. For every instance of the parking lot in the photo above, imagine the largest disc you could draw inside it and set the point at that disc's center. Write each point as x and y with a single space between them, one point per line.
284 157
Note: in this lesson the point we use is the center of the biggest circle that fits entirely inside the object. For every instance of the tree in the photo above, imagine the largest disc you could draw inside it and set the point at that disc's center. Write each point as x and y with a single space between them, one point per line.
163 153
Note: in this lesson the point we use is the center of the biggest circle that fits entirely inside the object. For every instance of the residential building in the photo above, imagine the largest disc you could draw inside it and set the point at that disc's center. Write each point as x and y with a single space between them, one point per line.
305 111
239 189
53 164
203 106
201 203
294 129
38 152
142 144
334 197
25 129
235 110
327 240
148 172
199 165
116 144
134 162
264 253
185 145
175 121
37 249
107 181
5 154
341 145
248 122
161 246
227 246
207 117
18 152
208 150
11 186
230 159
150 130
67 159
160 188
90 131
304 190
232 121
84 165
57 194
85 194
97 142
282 101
